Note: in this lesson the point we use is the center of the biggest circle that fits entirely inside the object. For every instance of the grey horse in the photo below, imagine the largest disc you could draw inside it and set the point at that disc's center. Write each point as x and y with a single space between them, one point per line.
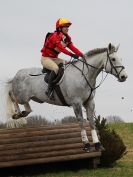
78 87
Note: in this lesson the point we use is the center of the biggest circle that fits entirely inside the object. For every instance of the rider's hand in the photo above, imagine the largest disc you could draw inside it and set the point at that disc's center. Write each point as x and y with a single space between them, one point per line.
74 56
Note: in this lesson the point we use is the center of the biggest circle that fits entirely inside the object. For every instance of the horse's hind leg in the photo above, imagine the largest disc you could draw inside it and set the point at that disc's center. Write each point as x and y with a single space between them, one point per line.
18 112
27 110
16 106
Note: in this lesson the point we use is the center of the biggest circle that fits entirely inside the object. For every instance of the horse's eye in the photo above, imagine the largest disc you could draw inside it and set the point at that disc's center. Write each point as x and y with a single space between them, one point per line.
113 59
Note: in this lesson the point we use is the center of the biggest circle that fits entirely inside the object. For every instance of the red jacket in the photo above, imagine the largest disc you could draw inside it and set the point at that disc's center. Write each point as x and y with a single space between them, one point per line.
56 43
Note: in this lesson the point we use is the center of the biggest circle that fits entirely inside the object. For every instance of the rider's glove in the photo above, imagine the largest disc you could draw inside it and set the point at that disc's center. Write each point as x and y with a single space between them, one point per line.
74 56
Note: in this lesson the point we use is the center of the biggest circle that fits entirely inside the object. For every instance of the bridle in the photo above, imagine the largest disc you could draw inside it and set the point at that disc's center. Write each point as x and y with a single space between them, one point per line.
117 74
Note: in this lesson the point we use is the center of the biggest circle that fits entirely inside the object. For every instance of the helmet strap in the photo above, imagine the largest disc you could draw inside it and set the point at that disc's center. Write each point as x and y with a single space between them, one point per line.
58 30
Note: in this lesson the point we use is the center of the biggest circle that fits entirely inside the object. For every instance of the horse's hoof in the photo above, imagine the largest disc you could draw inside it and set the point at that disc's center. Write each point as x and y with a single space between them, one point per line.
25 113
87 147
99 147
17 116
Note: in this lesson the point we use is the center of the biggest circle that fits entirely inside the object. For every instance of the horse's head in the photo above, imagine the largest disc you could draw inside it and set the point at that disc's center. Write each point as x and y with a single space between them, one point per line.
113 64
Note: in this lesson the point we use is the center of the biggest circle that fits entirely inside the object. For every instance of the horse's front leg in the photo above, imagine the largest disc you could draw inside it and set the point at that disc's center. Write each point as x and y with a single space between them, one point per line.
79 115
90 106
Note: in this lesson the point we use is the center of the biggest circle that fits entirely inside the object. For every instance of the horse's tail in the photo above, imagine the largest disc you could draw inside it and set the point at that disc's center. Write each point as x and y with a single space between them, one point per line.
6 106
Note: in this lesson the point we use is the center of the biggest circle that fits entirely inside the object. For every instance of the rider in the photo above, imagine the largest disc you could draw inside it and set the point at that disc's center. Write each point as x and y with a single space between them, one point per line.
56 43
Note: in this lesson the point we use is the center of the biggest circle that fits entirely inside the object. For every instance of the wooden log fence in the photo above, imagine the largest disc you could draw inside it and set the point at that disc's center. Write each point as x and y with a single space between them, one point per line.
44 144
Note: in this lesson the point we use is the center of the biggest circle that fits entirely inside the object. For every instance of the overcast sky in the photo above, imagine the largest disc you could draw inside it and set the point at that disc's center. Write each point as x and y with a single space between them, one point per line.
24 24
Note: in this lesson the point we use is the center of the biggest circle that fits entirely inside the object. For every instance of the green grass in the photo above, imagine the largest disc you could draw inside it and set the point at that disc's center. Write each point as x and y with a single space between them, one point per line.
123 167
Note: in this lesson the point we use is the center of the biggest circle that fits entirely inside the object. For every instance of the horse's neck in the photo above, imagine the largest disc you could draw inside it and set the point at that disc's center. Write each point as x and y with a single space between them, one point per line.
91 71
96 62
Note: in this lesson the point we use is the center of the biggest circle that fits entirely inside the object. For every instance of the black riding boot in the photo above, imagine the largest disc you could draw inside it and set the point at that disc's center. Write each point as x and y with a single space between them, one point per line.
49 91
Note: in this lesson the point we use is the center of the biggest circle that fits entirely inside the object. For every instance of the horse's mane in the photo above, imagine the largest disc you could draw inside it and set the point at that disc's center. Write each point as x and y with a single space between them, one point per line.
99 50
96 51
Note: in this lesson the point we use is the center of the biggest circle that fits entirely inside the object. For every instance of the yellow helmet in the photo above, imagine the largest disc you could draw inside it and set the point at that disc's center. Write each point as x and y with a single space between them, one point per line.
62 22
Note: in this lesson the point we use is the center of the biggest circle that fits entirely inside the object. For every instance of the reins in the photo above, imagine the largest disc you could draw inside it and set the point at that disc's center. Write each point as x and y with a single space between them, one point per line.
83 60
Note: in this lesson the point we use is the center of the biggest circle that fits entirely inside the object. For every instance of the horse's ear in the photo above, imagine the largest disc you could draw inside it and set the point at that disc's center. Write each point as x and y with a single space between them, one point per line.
109 47
117 47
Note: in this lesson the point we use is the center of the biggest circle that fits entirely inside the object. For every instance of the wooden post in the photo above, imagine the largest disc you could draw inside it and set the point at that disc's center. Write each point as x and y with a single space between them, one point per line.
44 144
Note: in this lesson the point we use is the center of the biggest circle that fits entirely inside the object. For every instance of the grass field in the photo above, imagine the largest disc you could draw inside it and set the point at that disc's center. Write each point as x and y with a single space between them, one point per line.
123 167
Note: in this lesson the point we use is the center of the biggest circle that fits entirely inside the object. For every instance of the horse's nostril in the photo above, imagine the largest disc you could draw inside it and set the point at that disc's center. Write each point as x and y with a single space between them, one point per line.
123 77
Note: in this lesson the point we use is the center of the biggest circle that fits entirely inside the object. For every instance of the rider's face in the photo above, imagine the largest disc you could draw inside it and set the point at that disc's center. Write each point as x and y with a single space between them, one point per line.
65 29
